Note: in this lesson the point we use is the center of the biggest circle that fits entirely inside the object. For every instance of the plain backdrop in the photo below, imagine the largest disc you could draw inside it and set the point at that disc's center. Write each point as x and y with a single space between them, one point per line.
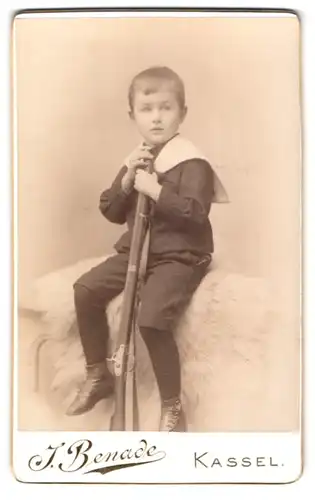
73 131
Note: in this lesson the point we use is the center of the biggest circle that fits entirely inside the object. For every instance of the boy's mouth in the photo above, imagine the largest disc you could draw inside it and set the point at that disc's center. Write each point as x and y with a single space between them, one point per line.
157 129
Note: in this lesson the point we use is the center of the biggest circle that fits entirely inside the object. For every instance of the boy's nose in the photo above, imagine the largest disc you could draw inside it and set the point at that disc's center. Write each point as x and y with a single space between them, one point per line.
156 116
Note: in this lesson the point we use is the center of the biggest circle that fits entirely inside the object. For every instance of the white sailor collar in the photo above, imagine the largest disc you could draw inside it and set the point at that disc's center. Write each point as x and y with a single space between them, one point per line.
179 149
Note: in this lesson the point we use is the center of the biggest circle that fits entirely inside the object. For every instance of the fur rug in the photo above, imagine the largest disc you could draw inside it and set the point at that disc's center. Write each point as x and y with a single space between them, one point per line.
226 340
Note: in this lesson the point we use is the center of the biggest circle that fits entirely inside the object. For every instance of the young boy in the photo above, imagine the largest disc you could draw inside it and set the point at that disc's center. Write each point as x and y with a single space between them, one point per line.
181 191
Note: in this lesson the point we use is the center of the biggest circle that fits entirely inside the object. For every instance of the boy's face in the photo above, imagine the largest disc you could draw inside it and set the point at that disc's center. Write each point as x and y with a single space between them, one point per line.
157 115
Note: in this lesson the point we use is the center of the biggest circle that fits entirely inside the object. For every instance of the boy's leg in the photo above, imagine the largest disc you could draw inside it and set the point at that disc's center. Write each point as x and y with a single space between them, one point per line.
92 293
168 290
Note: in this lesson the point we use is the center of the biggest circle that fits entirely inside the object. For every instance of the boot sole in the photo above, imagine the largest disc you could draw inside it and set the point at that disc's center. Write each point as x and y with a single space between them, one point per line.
92 403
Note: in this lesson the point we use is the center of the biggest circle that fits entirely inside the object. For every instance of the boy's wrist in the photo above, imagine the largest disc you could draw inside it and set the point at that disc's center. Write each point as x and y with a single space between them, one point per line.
156 191
128 181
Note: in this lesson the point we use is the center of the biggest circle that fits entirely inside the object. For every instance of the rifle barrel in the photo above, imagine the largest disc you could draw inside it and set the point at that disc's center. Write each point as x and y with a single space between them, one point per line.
118 421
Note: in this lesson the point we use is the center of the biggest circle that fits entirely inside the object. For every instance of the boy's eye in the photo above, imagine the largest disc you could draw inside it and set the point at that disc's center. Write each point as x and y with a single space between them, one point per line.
146 108
166 106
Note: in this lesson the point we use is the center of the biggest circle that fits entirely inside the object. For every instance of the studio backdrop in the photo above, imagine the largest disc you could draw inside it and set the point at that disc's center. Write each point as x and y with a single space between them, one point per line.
73 132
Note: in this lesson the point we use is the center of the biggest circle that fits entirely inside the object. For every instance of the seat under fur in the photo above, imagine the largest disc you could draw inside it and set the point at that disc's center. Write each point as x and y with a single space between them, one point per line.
235 358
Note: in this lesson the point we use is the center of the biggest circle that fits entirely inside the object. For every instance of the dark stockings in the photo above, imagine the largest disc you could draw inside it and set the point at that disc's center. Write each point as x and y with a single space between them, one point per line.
94 334
164 356
92 323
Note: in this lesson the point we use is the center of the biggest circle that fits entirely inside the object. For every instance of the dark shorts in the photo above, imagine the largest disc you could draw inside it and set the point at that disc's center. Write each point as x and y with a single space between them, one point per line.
167 290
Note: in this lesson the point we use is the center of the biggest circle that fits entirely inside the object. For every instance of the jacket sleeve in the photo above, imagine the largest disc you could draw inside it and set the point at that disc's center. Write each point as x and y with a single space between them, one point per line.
114 201
190 203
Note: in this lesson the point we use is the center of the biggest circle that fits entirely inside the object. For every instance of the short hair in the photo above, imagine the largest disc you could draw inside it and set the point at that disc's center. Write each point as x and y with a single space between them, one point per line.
150 80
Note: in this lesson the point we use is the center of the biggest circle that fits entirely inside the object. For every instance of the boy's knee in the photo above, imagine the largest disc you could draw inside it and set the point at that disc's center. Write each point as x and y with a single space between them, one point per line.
83 297
148 332
151 321
87 296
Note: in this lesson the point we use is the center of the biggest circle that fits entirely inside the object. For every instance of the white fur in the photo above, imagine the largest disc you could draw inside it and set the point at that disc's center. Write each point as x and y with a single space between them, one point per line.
226 340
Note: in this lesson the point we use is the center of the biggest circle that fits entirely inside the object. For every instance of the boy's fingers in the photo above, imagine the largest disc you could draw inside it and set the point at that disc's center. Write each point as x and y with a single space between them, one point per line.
145 148
145 154
141 158
137 162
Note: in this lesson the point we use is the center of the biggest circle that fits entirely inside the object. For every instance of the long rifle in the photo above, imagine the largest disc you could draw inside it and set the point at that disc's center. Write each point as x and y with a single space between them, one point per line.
127 321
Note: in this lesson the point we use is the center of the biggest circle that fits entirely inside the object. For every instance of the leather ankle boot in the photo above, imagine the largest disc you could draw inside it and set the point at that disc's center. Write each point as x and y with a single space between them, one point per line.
172 416
99 384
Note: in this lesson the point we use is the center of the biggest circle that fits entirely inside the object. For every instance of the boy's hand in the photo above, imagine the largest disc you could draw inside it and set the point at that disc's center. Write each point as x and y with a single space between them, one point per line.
147 184
138 159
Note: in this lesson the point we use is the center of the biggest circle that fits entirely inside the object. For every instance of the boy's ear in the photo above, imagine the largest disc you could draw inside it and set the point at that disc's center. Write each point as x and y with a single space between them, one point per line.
184 113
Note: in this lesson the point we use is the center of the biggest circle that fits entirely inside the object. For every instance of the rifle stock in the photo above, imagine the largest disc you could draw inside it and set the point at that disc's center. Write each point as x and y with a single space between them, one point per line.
118 420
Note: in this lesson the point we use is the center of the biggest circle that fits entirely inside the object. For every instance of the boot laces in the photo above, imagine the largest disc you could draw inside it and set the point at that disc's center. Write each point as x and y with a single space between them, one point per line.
88 385
171 414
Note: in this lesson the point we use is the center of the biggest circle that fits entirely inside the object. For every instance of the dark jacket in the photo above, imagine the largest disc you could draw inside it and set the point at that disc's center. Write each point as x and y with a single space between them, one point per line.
179 219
